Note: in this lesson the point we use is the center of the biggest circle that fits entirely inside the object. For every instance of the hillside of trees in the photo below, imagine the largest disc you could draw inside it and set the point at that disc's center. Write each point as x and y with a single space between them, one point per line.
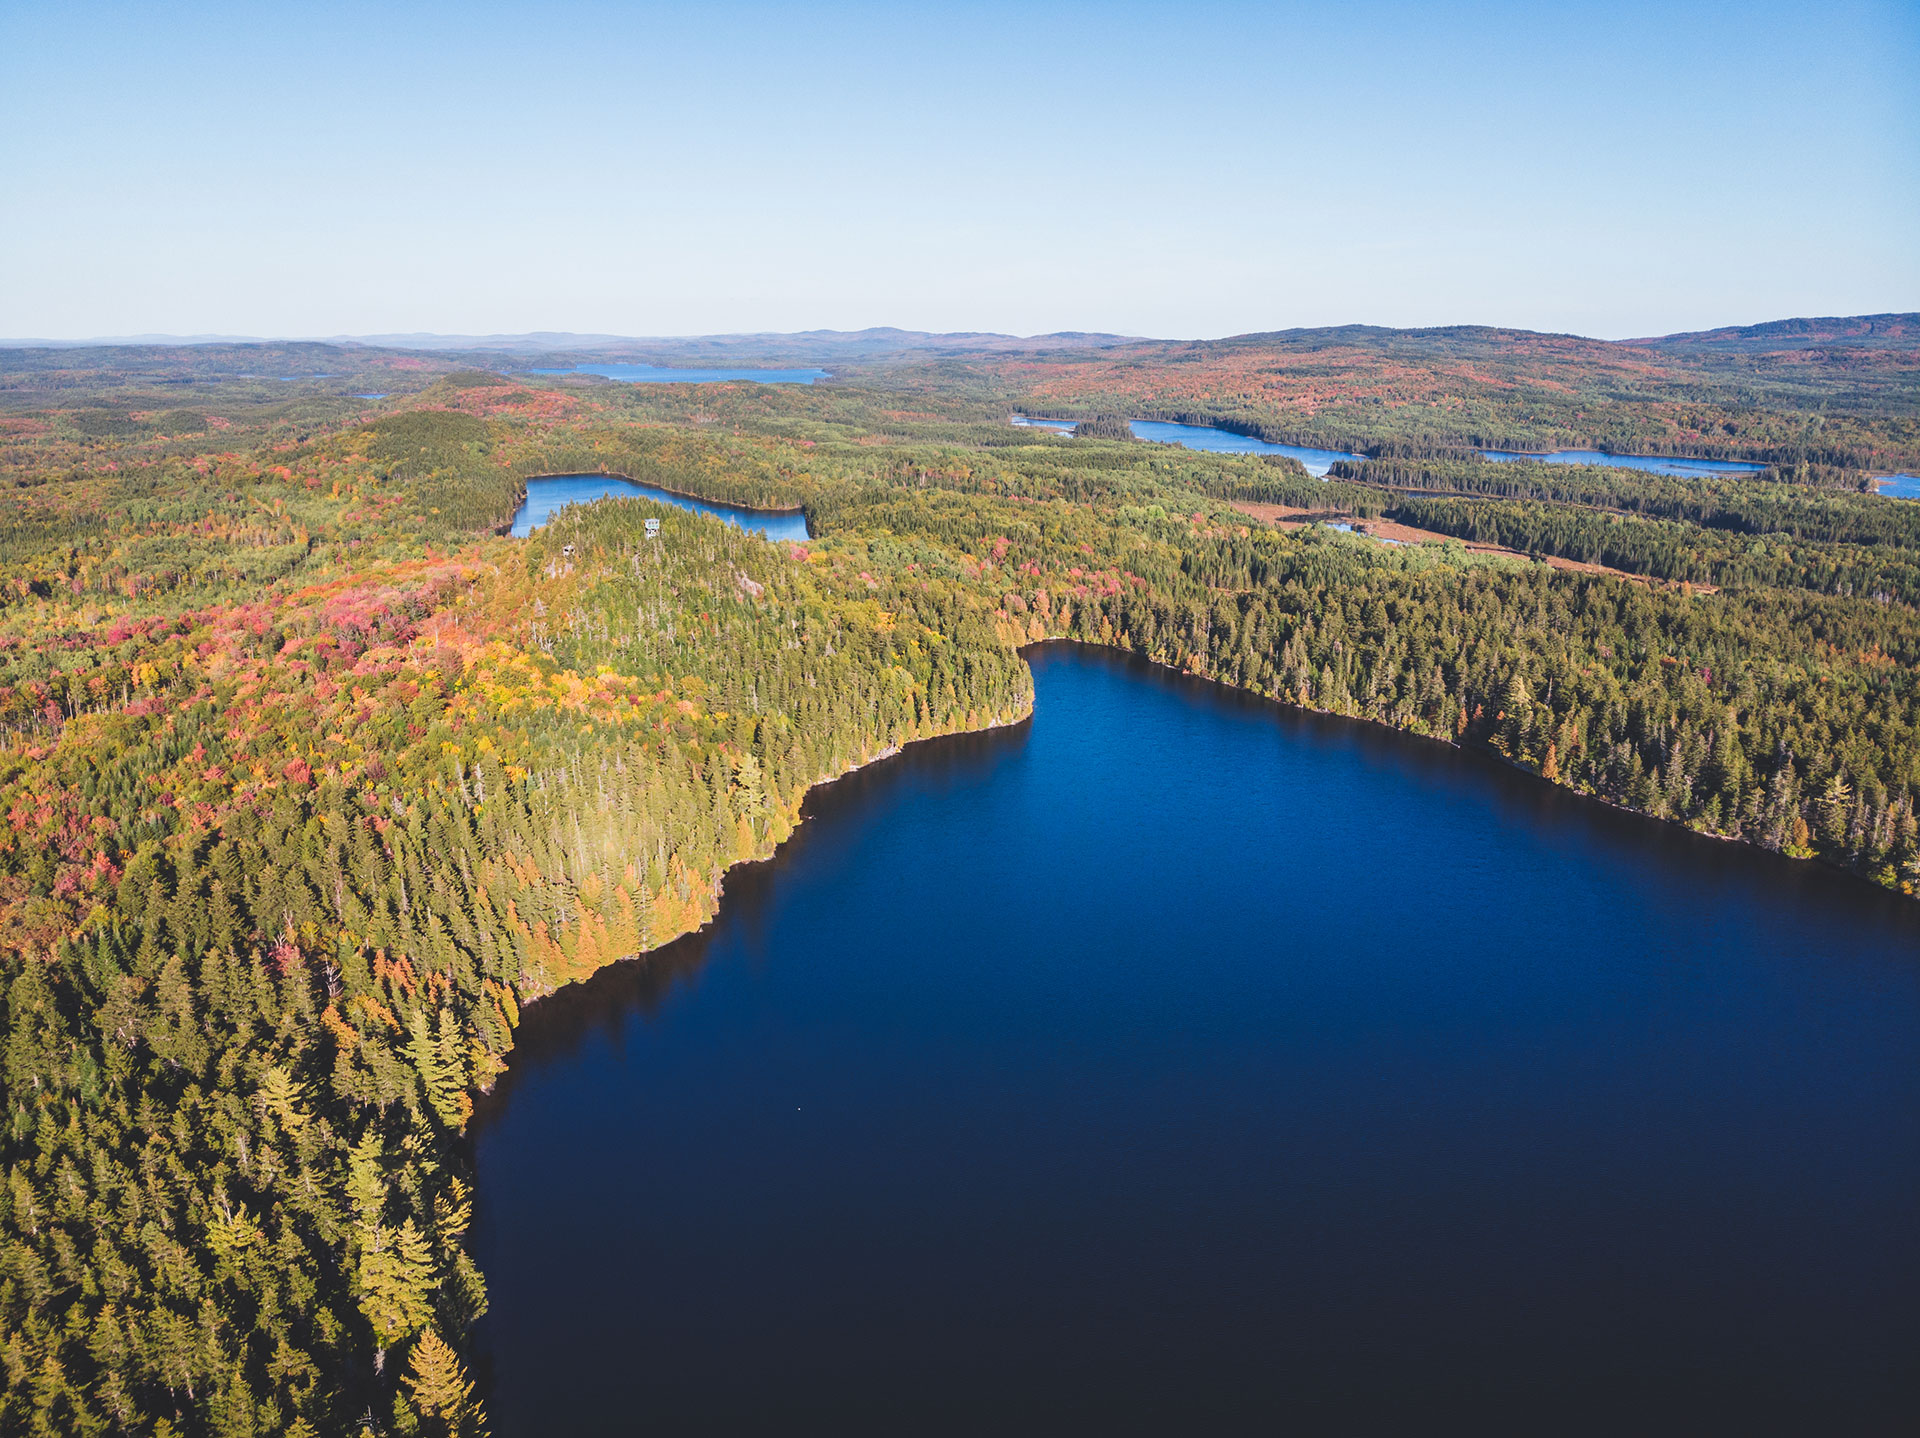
1851 402
313 778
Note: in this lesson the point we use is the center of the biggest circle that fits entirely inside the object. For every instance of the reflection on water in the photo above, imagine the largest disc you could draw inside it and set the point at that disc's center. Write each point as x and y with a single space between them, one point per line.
1177 1062
551 493
1221 441
1204 437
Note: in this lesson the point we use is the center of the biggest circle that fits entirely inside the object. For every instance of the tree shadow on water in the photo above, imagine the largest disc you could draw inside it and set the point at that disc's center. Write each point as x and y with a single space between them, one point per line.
557 1027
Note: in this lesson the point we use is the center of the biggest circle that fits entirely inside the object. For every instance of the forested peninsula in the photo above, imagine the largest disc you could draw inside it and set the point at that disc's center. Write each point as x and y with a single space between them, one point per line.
314 778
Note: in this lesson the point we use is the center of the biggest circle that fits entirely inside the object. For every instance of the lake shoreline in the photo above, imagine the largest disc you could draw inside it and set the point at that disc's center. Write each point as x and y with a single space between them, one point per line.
705 1050
1476 750
504 529
893 751
1119 651
1696 465
664 488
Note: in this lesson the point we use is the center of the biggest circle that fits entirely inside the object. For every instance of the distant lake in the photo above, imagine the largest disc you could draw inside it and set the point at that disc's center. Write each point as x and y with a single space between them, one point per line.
1223 441
1205 437
1657 463
652 374
1901 486
1346 527
1178 1063
1320 461
555 492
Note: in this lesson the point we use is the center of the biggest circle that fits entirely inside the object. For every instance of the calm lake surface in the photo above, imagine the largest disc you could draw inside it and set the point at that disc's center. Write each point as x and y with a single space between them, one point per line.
654 374
1320 461
1178 1063
1206 437
544 496
1222 441
1057 426
1657 463
1901 486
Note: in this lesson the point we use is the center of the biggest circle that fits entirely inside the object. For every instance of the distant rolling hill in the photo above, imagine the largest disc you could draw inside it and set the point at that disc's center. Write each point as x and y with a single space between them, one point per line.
867 344
1889 331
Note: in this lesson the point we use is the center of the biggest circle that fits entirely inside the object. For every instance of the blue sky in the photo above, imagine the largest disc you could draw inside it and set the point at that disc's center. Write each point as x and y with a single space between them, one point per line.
1181 170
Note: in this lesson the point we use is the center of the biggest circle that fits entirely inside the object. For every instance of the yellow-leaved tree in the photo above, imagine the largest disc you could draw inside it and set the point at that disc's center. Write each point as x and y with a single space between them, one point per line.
440 1391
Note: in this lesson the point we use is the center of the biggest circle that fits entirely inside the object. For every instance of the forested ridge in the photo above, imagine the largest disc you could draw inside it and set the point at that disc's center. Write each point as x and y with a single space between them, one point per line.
313 779
1850 403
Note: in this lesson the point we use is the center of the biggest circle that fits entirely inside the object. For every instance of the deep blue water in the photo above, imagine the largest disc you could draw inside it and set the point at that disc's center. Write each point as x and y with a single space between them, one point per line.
654 374
1901 486
544 496
1657 463
1178 1063
1221 441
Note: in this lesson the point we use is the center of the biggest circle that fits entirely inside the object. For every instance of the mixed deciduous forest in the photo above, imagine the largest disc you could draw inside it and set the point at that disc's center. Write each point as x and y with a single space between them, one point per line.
313 777
1827 393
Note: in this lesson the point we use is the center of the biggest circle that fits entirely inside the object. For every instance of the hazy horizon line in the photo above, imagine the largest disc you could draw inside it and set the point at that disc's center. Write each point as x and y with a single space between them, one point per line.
429 339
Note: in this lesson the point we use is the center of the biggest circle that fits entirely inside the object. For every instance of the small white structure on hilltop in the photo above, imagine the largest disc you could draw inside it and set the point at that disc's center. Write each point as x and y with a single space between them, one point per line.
653 529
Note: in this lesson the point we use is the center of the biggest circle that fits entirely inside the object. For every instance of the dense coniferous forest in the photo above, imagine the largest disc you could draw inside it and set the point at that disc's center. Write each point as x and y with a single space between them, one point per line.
314 778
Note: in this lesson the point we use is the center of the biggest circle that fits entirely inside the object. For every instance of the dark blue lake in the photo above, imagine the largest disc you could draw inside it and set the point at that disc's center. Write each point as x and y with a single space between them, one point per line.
1657 463
1178 1063
554 492
654 374
1901 486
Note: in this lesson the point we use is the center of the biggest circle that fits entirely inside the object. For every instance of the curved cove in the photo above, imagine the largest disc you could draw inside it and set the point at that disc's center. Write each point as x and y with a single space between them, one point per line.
1175 1061
551 493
